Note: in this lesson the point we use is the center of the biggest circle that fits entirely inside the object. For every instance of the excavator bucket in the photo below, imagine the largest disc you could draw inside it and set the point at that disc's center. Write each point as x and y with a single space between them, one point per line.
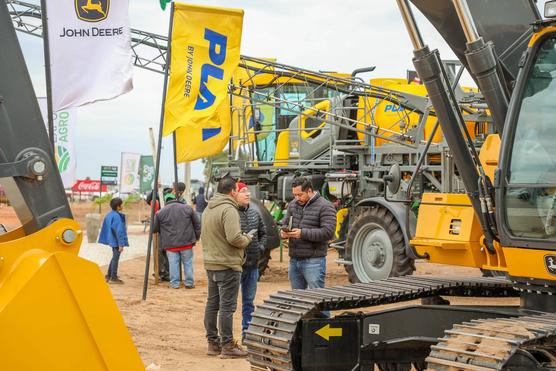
506 23
56 310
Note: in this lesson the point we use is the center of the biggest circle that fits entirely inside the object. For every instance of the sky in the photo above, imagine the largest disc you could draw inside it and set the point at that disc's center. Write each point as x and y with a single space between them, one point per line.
326 35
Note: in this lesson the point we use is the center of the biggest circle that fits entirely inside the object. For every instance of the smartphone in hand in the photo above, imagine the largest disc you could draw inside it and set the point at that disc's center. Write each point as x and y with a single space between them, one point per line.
252 232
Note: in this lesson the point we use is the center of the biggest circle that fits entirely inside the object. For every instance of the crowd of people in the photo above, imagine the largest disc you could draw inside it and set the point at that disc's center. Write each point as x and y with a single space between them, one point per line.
233 236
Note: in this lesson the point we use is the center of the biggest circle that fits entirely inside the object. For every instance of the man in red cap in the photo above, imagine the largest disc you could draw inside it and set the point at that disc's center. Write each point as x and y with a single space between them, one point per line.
250 221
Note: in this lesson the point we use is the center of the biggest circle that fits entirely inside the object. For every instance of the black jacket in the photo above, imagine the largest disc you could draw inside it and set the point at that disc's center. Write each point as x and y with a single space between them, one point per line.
177 225
317 221
251 219
200 202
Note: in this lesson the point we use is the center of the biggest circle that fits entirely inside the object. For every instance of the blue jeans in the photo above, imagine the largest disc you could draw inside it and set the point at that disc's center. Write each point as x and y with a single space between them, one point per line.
307 273
113 267
186 258
249 279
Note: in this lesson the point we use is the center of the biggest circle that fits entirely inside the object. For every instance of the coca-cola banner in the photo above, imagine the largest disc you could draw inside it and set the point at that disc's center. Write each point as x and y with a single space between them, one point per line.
88 186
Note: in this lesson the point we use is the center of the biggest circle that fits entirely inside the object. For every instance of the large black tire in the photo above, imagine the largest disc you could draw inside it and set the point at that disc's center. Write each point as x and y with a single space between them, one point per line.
375 246
263 262
272 233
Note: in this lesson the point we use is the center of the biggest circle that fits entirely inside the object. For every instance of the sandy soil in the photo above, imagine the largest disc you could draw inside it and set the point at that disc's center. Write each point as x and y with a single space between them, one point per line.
168 327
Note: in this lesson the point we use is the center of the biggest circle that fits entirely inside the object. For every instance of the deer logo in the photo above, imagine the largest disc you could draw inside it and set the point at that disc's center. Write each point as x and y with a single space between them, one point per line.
92 10
550 262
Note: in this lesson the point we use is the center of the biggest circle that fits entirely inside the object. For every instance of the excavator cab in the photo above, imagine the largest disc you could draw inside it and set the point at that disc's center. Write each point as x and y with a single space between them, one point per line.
526 179
56 310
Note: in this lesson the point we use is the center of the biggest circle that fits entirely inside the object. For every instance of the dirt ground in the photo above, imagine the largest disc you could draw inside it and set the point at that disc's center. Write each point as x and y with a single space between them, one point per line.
168 327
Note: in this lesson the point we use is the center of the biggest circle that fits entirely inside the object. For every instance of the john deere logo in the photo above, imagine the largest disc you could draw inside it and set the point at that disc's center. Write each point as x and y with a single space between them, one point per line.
62 158
550 263
92 10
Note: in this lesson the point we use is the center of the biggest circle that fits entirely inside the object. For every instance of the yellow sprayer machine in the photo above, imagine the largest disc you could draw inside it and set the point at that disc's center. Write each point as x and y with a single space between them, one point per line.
502 222
346 134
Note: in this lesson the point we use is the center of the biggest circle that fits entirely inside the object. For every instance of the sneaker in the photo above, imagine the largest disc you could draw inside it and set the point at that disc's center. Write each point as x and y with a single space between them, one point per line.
174 287
214 349
106 278
233 350
116 280
189 286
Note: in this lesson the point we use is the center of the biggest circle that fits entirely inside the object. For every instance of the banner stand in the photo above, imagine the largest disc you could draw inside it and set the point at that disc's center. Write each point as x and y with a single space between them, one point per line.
48 78
158 151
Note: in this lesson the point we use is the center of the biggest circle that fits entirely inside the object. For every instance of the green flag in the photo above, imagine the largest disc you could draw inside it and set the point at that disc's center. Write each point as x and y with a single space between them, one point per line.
163 3
146 174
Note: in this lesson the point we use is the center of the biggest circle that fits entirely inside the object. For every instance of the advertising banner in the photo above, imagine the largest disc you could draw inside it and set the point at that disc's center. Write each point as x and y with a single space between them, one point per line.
146 174
90 51
65 122
88 186
205 44
129 174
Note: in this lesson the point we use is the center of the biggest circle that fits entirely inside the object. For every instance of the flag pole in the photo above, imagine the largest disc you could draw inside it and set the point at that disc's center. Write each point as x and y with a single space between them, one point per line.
175 164
48 75
158 150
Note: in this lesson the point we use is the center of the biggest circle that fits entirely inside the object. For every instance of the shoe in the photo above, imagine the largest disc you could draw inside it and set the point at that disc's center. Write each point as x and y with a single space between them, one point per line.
233 350
116 280
174 287
106 278
214 349
189 286
164 279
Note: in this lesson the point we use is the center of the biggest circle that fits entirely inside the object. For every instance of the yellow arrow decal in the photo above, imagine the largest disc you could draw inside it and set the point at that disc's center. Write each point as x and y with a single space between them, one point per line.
326 332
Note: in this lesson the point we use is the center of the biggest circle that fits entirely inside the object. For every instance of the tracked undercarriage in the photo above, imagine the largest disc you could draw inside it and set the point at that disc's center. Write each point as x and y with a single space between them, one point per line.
290 332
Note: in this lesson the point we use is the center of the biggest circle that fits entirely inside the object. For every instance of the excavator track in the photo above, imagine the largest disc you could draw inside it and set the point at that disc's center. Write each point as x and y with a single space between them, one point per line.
497 344
272 338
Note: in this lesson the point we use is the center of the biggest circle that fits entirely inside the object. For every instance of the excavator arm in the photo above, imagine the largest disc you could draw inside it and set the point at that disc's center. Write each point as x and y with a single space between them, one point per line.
56 311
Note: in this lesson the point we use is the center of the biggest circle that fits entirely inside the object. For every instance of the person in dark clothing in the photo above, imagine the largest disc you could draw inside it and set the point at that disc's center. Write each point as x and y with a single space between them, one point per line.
163 264
250 220
200 202
178 191
313 222
114 234
179 230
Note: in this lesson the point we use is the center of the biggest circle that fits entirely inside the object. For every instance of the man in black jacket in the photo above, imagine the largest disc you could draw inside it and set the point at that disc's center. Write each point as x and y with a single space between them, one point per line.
179 230
250 221
313 223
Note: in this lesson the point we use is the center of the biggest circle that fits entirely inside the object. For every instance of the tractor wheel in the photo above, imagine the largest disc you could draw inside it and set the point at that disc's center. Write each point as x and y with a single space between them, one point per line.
375 245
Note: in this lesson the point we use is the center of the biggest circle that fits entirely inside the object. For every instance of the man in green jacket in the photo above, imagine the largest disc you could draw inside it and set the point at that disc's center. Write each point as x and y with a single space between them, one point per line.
223 250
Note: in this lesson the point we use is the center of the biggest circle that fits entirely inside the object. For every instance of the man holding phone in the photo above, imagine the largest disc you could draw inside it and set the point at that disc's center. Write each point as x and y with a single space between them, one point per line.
311 223
252 224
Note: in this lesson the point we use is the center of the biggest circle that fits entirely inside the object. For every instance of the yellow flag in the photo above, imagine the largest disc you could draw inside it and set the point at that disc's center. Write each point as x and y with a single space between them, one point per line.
205 45
189 149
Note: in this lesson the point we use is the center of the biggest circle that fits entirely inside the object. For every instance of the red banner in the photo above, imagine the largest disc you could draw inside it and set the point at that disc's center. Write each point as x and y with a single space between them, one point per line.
88 186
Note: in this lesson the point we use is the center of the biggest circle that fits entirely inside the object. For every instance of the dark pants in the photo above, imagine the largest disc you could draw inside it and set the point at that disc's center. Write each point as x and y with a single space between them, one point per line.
113 267
163 265
223 288
249 278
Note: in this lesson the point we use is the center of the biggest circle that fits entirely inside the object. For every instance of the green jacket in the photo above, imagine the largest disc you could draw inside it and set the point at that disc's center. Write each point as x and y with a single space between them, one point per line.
221 236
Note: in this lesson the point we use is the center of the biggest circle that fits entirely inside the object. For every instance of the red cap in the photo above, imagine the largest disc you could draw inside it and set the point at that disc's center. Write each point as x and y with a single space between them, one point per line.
240 186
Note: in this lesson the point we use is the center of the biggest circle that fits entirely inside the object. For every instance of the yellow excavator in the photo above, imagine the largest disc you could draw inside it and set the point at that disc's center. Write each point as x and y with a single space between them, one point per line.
56 310
503 223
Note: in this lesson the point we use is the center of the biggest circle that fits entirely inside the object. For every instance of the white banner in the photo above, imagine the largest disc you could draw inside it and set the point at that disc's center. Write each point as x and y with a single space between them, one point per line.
64 140
129 174
90 51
